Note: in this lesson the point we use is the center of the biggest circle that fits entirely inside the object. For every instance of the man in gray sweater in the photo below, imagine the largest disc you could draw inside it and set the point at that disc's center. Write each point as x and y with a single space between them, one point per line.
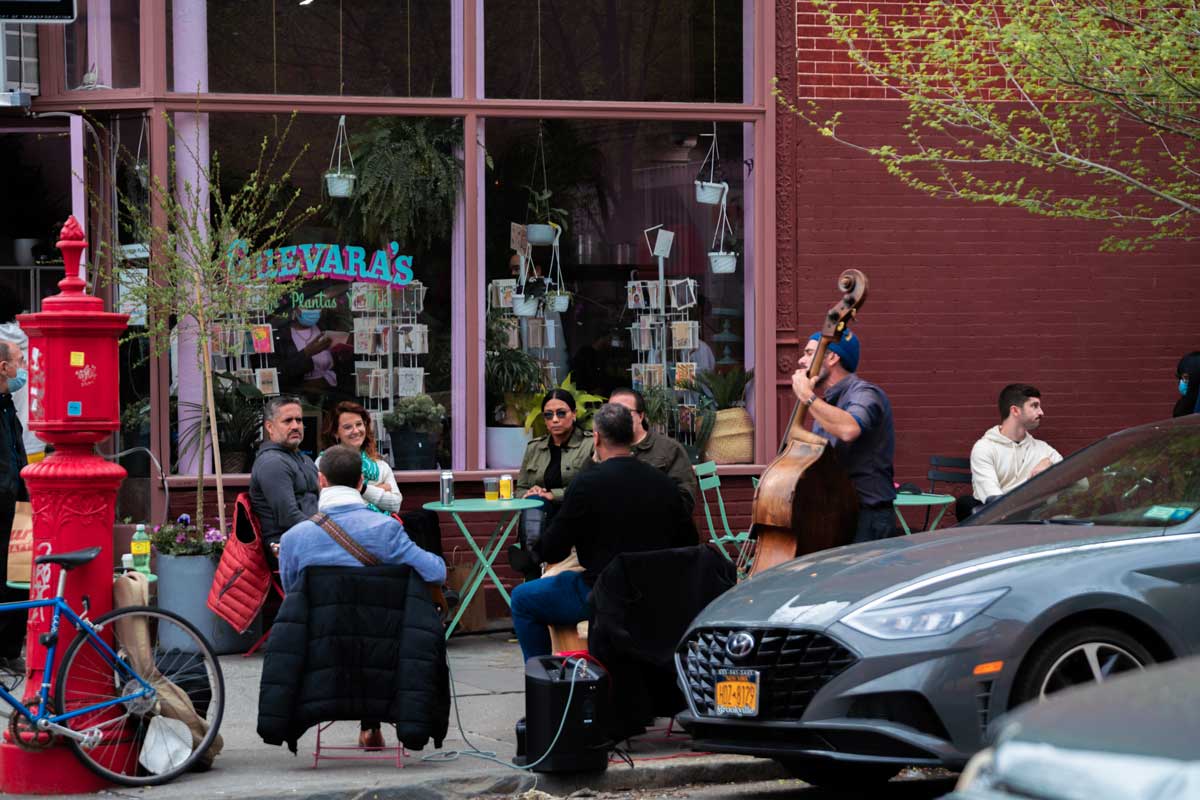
283 482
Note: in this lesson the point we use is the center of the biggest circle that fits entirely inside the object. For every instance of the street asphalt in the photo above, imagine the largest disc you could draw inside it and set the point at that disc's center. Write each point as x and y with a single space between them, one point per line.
489 683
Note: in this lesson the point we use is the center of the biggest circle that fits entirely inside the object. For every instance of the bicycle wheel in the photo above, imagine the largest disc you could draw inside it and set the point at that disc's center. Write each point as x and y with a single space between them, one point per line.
152 739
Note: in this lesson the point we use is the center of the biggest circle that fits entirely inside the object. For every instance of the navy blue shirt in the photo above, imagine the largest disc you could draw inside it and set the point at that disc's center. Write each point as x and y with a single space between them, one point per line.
868 458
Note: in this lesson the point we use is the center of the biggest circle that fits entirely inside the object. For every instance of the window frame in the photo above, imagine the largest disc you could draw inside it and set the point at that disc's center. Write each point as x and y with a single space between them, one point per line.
468 102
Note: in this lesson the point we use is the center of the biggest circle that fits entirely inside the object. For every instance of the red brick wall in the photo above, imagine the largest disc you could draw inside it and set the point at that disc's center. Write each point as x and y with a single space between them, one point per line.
964 298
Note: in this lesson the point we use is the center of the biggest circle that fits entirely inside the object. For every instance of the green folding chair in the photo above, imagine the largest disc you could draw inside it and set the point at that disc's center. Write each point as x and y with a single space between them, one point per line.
737 547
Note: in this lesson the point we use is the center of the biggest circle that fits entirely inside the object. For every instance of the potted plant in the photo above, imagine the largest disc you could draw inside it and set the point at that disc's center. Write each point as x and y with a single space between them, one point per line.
513 380
710 190
732 438
414 424
551 220
238 408
185 562
339 182
408 179
586 404
722 261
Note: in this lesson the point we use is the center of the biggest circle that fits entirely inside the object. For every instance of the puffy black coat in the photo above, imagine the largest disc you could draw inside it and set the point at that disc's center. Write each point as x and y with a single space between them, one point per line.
356 643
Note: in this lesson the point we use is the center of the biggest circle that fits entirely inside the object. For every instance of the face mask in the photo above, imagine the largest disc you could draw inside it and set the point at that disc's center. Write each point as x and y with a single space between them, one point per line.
17 383
309 317
1183 387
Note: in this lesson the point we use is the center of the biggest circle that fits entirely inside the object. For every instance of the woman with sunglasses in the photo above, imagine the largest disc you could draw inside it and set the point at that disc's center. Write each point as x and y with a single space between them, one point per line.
551 461
549 465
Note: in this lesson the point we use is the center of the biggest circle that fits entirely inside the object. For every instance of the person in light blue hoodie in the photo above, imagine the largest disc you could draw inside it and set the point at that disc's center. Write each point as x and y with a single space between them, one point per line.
307 544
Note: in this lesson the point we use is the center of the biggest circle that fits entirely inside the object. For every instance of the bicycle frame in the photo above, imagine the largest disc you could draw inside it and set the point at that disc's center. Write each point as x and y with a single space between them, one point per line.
41 719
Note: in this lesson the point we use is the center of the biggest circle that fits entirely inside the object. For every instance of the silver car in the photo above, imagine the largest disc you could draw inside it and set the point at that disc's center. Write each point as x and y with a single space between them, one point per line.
848 664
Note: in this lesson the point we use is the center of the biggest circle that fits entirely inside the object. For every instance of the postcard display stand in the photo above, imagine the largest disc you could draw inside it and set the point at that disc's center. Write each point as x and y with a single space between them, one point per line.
242 347
389 348
664 335
533 321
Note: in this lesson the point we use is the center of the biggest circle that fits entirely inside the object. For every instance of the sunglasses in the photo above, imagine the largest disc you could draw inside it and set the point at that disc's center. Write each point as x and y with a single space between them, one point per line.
560 413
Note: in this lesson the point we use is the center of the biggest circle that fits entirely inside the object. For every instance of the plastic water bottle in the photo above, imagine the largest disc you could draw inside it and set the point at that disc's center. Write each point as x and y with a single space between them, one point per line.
139 547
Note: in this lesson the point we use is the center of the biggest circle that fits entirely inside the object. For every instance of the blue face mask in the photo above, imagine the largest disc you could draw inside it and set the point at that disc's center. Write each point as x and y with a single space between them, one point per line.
18 383
308 317
1183 387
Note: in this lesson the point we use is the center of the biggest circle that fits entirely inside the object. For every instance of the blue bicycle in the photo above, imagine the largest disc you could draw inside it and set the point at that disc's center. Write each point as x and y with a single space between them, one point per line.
139 695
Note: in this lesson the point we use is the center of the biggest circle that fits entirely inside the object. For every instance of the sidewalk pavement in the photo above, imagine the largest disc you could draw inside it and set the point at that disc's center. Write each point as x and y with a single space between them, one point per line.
489 681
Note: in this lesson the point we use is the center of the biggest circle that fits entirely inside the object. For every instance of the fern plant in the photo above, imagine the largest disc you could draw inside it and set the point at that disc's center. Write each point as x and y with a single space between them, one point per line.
408 182
725 389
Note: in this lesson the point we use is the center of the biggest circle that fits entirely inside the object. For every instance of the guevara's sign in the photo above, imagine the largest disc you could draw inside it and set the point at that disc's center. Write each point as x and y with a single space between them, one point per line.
345 263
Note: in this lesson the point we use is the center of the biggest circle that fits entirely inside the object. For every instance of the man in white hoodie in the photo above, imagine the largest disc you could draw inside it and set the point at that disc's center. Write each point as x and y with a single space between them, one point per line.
1008 455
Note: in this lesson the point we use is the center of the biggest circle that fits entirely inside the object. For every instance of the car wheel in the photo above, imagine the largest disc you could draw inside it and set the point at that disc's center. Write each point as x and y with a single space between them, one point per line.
838 775
1077 657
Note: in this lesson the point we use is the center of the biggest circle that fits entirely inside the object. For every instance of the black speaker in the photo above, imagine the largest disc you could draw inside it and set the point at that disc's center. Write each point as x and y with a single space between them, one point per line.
582 746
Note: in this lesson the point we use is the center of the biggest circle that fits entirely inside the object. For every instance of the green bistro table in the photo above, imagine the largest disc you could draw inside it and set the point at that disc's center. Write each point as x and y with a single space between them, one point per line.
922 501
510 512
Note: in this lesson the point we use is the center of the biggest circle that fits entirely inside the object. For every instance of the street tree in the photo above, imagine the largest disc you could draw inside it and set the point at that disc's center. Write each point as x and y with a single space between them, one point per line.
1086 109
211 248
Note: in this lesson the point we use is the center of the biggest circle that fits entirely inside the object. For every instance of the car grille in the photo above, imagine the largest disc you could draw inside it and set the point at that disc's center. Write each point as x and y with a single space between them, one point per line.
793 666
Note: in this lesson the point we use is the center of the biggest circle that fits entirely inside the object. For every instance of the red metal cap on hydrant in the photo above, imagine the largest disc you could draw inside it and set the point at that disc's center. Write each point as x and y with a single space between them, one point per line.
74 403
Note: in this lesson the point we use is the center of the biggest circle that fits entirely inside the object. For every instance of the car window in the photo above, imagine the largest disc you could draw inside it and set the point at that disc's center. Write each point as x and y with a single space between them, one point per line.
1146 477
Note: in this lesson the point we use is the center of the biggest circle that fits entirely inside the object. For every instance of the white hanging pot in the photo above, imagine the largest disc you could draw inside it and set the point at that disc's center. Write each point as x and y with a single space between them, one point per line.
538 233
340 184
525 305
559 301
711 193
722 263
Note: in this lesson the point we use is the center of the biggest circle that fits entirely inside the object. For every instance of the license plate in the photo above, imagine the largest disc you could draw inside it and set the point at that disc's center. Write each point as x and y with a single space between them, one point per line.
737 692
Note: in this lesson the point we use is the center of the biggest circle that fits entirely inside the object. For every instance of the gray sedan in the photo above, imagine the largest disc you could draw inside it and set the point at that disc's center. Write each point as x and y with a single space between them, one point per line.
846 665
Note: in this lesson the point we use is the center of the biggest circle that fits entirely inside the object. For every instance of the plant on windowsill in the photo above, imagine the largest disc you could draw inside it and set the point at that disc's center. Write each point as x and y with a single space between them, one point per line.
513 382
586 404
415 425
238 407
732 438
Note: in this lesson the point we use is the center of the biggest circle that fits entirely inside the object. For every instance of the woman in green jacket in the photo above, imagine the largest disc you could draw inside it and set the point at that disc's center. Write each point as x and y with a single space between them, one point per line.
551 461
549 465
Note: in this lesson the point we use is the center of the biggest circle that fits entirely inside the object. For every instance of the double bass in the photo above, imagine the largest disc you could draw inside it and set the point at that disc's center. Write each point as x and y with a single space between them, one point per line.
805 501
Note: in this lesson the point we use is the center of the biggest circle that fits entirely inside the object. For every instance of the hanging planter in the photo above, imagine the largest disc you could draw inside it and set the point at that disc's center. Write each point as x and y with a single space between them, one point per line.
720 260
558 301
710 189
539 234
525 301
339 181
557 297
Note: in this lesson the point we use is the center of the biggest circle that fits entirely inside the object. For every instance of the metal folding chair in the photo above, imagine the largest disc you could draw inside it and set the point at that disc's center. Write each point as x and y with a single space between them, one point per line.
737 547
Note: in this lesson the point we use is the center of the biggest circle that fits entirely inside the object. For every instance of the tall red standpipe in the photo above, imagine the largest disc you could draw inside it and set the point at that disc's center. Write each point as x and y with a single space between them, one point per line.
74 404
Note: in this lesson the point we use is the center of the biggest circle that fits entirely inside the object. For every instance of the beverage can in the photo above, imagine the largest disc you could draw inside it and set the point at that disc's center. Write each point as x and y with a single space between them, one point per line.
506 487
446 487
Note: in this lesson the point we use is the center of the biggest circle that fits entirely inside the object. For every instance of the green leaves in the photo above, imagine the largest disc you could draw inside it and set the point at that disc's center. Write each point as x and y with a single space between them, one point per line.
1006 96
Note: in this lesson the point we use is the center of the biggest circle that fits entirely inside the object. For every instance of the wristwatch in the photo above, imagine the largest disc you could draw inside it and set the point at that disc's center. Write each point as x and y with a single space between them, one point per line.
812 399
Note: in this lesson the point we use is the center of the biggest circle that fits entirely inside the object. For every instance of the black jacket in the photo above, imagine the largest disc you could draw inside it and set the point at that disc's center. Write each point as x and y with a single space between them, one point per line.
12 449
620 505
641 607
283 489
356 643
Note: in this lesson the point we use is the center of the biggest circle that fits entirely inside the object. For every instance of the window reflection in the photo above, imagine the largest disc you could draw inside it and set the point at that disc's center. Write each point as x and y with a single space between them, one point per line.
655 50
102 44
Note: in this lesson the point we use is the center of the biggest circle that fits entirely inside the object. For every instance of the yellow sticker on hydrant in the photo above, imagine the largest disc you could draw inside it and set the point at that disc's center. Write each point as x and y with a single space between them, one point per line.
76 359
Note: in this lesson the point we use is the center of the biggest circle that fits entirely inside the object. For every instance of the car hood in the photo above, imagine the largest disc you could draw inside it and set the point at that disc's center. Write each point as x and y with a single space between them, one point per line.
1134 736
815 590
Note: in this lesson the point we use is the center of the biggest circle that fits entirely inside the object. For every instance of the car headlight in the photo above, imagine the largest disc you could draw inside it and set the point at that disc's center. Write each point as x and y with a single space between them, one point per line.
910 619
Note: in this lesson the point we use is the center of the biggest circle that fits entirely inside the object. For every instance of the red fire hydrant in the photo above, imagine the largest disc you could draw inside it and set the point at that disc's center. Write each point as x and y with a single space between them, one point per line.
74 404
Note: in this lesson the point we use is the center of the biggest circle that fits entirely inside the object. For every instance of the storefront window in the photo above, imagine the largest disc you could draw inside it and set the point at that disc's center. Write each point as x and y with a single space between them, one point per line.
103 49
323 47
660 50
605 182
366 314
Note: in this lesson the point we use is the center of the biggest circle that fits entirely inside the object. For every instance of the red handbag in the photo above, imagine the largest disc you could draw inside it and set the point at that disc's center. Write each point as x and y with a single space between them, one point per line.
243 577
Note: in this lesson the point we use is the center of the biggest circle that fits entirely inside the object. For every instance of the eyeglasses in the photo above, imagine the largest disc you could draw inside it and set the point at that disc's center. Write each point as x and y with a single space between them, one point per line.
558 412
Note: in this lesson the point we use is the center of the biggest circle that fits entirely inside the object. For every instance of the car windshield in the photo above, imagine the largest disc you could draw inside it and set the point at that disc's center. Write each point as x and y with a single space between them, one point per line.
1147 477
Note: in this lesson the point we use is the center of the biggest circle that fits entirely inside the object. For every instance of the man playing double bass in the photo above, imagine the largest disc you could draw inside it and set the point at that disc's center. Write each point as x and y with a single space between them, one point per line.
856 417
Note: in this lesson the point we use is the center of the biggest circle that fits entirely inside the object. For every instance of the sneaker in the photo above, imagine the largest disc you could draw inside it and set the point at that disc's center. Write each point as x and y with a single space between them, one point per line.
371 740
